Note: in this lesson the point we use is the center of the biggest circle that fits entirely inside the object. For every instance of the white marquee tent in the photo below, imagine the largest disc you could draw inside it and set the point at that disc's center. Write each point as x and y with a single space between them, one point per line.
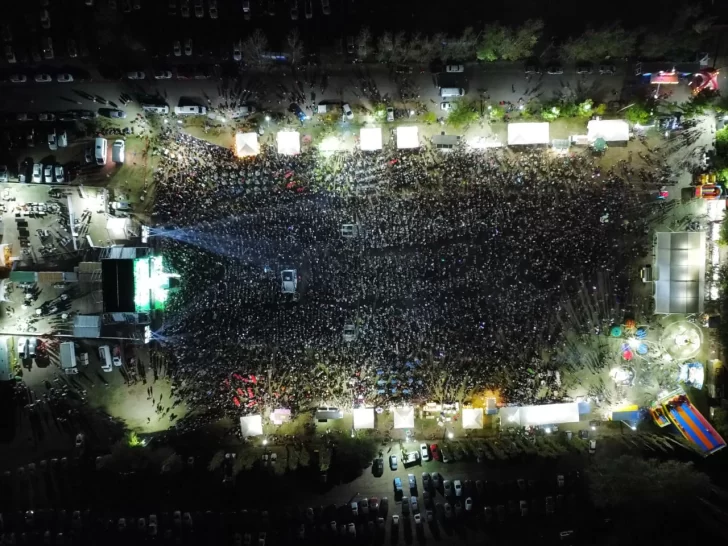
408 137
533 416
525 134
251 425
472 418
363 418
611 130
246 144
370 139
680 284
289 142
404 417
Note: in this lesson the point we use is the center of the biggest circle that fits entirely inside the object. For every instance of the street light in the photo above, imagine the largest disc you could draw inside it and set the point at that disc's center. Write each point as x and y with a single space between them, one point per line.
265 441
450 435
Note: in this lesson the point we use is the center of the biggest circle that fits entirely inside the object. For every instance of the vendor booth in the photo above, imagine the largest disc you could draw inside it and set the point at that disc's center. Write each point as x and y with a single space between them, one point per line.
251 425
289 142
370 139
408 137
525 134
246 144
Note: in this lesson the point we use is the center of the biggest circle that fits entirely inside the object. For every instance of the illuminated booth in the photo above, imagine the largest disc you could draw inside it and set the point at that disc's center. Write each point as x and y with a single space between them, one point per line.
370 139
246 144
408 138
289 142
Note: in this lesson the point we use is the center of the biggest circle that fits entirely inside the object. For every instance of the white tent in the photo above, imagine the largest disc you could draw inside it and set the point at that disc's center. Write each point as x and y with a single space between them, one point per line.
524 134
547 414
472 418
246 144
408 137
680 284
363 418
404 417
611 130
370 138
251 425
289 142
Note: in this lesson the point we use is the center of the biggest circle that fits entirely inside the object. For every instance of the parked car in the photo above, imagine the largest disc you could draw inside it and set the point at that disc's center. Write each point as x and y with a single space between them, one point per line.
43 78
213 9
445 106
18 78
118 114
436 480
177 48
52 141
412 481
426 481
46 116
3 173
326 7
583 68
435 452
64 78
48 174
458 487
188 47
447 488
454 68
72 51
60 176
424 452
378 467
308 8
555 69
45 19
607 69
390 113
237 51
36 177
348 114
162 75
63 139
532 68
135 75
10 54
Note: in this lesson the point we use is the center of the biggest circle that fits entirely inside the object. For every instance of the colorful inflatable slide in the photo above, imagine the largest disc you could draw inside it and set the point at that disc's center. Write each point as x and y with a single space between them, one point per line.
691 424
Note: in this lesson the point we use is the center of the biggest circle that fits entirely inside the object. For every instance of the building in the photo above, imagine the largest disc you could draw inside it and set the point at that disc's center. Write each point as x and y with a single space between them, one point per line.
680 272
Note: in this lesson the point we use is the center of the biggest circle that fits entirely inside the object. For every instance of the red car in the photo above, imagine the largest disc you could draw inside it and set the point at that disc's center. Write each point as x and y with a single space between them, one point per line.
435 452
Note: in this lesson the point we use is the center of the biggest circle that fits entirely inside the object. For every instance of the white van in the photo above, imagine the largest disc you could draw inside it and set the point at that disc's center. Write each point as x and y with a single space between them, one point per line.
452 92
100 149
155 109
117 151
105 358
190 110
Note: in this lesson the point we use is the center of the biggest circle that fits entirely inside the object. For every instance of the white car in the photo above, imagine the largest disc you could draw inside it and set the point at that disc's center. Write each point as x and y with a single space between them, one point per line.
592 446
79 440
213 9
424 452
237 51
18 78
458 488
177 48
48 174
46 116
326 7
454 68
117 361
3 173
37 176
119 114
135 75
43 78
199 10
418 519
468 504
52 141
22 345
64 78
188 47
390 113
63 140
446 106
348 114
163 75
60 176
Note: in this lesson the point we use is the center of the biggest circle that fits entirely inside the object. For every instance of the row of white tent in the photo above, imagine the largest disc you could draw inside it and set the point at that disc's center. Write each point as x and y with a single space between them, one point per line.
407 137
471 418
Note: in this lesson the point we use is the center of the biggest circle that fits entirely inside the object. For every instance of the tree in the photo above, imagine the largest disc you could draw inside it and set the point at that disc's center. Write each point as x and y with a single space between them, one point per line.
641 488
295 46
490 46
255 48
385 46
594 45
639 113
523 40
400 48
363 42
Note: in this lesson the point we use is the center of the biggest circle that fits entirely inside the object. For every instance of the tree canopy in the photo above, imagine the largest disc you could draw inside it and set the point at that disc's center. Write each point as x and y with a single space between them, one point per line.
594 45
499 42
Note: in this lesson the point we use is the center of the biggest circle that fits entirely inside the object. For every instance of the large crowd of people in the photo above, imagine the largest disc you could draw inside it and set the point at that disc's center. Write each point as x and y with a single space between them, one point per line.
417 274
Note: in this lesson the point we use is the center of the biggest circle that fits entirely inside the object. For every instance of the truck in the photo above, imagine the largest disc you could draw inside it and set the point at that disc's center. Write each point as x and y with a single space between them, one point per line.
411 458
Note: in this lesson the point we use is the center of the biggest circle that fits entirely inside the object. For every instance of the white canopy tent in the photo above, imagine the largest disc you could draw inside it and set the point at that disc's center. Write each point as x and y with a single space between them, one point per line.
246 144
533 416
289 142
611 130
363 418
370 139
472 418
408 137
526 134
680 284
251 425
404 417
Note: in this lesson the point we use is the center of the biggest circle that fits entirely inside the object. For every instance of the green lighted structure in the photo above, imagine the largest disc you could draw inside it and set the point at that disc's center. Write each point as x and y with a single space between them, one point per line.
151 284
